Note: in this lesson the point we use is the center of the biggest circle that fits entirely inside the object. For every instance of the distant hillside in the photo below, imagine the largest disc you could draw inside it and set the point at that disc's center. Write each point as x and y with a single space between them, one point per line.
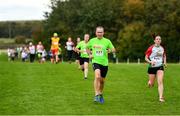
10 43
11 29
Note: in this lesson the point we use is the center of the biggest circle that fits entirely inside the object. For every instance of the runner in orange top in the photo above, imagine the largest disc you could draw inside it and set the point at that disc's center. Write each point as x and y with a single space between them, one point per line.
54 47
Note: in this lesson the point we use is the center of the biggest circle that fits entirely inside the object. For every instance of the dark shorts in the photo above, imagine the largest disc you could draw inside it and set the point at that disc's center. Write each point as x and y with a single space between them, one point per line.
69 54
60 56
83 60
77 55
153 70
103 69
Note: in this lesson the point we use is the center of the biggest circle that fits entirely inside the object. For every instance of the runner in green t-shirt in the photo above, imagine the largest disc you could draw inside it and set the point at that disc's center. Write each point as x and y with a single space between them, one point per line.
84 57
99 47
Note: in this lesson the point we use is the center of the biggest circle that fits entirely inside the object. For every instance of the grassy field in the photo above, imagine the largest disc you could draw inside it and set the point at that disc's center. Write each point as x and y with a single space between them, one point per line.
27 89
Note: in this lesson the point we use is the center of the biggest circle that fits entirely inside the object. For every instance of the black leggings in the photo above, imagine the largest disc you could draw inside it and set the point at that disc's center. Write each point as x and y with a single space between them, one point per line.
32 57
69 53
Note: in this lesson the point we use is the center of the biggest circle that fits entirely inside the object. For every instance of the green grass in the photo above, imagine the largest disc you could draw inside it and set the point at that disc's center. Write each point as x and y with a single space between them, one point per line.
60 89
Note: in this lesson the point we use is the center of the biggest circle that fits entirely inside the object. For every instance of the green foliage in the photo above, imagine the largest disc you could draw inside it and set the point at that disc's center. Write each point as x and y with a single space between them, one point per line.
20 39
38 35
128 23
133 10
74 18
132 33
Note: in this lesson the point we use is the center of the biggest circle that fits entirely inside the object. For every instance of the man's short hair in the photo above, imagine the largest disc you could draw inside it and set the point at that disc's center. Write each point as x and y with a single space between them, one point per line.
100 27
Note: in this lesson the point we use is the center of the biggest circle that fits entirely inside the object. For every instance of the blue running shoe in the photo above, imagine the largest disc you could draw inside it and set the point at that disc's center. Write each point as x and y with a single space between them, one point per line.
96 98
101 99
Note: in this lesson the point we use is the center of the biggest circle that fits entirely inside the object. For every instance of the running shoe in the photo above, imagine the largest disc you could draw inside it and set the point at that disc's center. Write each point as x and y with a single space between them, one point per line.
161 99
101 99
96 98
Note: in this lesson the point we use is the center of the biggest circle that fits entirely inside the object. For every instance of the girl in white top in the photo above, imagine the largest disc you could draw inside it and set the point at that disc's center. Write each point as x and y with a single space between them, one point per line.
32 52
156 57
32 49
39 50
39 47
44 54
24 54
69 46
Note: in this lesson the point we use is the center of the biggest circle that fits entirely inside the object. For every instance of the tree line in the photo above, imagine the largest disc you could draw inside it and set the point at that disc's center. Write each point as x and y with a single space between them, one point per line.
128 24
11 29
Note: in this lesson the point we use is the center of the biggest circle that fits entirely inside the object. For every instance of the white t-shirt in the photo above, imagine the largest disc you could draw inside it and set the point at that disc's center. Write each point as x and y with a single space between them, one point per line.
44 53
24 54
32 49
156 54
69 46
39 48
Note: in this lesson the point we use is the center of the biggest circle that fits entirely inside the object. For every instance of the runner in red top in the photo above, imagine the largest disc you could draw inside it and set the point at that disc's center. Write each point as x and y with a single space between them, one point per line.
156 57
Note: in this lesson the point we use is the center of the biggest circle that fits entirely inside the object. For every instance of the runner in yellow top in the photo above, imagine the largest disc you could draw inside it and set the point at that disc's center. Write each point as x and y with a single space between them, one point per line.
55 47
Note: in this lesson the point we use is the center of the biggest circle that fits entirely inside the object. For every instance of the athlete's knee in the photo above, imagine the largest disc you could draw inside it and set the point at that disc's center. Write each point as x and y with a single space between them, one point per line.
98 76
82 67
150 83
160 82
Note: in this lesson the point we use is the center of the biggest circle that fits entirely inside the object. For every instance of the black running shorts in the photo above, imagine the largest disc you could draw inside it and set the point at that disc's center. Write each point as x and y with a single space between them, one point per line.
103 69
153 70
83 60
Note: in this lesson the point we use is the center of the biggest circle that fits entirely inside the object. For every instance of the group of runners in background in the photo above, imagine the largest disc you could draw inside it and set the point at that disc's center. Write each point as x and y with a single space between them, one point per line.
28 53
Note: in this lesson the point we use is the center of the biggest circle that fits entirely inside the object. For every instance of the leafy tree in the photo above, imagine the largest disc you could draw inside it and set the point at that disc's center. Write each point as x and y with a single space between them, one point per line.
128 23
132 33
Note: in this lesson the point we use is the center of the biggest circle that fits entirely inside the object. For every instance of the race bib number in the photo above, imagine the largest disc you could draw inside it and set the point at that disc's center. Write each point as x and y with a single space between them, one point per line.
99 53
156 58
158 61
84 51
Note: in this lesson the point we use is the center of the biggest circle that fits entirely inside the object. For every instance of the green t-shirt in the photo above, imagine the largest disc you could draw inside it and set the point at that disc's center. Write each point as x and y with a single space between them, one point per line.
99 49
82 46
